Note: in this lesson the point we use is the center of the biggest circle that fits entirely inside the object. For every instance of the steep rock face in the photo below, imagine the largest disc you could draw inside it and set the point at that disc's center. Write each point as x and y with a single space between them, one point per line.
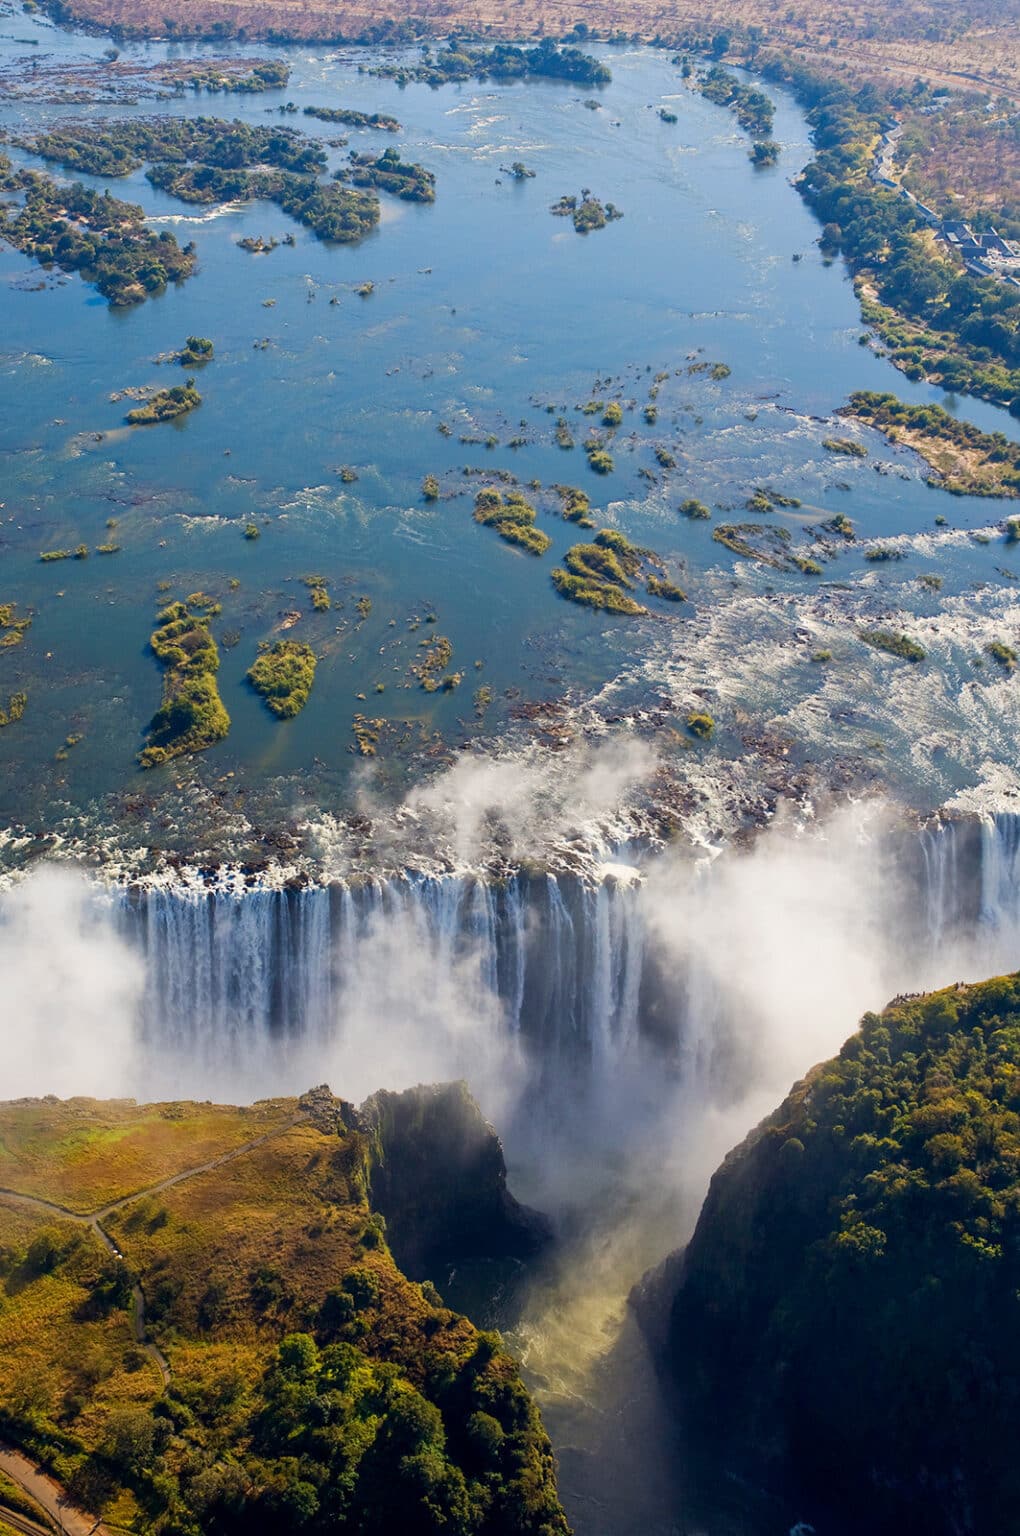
848 1309
438 1176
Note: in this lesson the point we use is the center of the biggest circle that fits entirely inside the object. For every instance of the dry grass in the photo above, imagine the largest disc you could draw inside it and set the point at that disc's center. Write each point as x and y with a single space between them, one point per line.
975 41
229 1260
965 470
61 1366
82 1154
966 157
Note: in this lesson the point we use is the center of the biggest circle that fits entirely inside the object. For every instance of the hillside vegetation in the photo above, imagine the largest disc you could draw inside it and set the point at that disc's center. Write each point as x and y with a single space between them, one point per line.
204 1330
849 1304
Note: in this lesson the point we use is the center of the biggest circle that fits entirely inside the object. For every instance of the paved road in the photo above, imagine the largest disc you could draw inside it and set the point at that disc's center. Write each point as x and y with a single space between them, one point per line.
49 1495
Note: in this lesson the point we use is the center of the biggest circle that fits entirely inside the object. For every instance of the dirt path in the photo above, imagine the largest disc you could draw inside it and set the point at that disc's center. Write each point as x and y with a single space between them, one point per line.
49 1495
95 1219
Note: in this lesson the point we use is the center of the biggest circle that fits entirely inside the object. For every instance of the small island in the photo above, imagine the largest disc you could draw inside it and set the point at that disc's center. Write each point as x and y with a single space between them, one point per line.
586 213
267 75
351 119
849 447
599 575
166 405
767 545
14 710
513 518
196 351
504 61
603 574
283 675
389 173
764 152
753 110
12 629
192 716
894 643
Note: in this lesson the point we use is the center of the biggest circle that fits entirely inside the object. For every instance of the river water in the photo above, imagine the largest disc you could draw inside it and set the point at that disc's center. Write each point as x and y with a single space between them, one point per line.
485 311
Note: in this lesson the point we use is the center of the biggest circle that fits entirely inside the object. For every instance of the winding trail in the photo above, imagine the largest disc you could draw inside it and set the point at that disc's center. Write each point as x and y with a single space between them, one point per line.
95 1219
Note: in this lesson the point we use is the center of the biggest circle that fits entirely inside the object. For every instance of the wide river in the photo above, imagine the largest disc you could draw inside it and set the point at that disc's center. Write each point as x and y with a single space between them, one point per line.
489 320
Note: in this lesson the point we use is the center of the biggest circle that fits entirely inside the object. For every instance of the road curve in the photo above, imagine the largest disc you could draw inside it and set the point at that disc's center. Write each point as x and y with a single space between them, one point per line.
50 1497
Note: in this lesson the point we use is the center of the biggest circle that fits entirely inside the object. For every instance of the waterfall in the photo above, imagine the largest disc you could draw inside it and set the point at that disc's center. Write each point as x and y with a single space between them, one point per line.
939 845
1000 870
237 970
249 987
564 957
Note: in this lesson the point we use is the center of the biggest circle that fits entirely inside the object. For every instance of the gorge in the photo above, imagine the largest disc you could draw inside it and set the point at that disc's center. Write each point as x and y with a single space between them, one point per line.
619 869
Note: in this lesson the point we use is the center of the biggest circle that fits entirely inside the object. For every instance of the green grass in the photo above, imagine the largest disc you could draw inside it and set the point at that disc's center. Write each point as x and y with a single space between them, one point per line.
283 675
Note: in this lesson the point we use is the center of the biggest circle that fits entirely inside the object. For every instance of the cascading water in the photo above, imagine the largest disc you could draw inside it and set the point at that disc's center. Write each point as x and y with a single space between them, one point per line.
251 989
1000 870
236 969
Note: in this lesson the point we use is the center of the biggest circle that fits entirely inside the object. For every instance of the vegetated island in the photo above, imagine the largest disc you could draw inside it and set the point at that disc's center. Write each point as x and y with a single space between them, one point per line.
79 230
963 459
767 545
402 178
264 75
14 710
849 447
753 110
192 715
196 351
894 643
12 629
513 518
166 405
206 1329
604 573
846 1311
283 674
352 119
209 160
586 213
504 61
